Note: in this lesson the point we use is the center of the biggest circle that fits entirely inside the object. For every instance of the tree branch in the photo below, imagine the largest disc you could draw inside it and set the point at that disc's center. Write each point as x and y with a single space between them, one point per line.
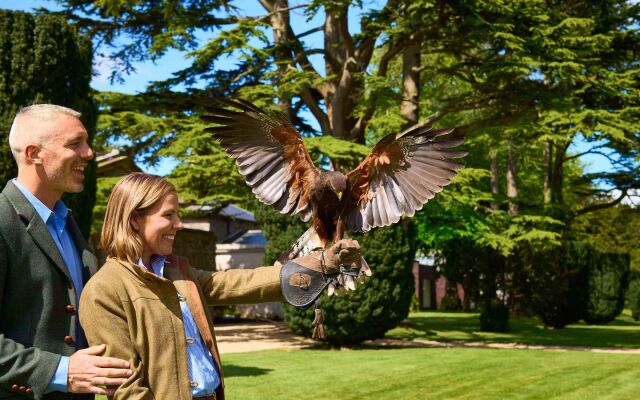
594 207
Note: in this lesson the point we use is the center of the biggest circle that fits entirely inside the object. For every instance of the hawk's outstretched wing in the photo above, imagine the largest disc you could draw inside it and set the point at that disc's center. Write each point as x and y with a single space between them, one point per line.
270 154
400 175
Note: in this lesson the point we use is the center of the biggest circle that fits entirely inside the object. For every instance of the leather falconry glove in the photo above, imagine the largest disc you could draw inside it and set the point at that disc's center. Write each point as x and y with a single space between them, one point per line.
303 279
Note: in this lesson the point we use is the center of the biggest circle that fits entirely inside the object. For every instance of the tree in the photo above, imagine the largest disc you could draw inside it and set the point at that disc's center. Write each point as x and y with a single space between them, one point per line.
44 60
522 79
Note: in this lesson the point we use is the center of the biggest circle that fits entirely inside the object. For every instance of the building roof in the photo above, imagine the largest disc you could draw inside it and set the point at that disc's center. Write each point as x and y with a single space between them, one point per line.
251 236
231 211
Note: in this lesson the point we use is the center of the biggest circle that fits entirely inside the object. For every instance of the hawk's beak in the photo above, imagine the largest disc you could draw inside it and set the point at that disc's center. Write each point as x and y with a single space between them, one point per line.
339 194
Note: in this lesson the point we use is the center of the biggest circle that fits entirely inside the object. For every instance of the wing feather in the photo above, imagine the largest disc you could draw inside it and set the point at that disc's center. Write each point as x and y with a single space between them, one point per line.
269 153
400 175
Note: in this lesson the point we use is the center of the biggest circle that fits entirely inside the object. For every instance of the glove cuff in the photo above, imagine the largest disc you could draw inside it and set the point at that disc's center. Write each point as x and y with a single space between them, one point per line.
300 285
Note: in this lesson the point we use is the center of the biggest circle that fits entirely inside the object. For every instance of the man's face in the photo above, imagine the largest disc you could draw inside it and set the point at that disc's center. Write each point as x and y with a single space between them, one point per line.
65 153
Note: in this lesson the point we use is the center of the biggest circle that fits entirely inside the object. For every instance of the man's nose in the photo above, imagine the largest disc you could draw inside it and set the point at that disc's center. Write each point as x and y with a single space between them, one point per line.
88 153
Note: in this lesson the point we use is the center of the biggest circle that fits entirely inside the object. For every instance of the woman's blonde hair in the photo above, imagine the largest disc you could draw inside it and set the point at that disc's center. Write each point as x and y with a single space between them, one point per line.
132 196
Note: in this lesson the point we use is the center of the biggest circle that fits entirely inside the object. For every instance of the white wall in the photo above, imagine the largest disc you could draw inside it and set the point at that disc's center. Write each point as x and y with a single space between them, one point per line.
246 256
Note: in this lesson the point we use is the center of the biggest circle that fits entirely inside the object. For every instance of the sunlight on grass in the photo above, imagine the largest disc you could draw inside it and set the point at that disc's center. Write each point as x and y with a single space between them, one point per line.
624 332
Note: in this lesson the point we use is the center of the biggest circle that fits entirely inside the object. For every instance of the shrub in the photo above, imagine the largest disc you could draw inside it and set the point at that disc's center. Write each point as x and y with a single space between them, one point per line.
494 316
451 300
633 294
576 282
608 280
558 282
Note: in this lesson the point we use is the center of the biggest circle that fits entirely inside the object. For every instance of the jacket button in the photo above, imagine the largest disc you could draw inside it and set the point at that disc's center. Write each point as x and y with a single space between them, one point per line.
28 391
68 339
22 389
70 309
15 387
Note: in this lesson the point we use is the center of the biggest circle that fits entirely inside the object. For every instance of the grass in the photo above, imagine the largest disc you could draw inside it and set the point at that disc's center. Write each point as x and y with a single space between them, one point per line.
430 373
624 332
448 373
434 373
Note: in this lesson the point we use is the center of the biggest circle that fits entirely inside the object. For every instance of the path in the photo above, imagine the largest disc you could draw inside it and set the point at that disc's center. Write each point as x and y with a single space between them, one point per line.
254 336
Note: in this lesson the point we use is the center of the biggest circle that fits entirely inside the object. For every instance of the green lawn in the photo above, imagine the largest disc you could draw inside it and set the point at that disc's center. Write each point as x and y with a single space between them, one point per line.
434 373
448 373
431 373
624 332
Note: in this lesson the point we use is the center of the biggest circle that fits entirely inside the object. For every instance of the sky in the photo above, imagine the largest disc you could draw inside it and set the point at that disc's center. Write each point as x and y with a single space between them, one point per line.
174 60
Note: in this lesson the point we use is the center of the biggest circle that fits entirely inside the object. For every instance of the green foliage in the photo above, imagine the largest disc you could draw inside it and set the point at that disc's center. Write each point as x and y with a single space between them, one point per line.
450 301
494 317
44 60
558 282
576 282
608 281
612 230
633 295
204 174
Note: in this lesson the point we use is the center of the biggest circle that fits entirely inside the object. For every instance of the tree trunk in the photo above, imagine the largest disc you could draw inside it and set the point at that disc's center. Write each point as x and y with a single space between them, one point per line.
279 20
410 84
548 173
557 173
512 186
495 179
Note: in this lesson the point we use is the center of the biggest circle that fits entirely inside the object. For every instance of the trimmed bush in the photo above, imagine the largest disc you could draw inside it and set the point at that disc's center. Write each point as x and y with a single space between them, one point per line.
576 282
558 282
633 294
608 281
494 317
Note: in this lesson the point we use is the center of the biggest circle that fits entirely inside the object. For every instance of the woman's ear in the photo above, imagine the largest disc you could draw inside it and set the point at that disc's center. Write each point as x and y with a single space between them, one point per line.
134 222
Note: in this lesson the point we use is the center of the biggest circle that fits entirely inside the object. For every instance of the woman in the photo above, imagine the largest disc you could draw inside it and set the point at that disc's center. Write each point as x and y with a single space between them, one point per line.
148 307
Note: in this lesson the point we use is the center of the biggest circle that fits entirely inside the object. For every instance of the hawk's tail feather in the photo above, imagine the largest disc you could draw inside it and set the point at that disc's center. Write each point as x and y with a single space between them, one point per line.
301 247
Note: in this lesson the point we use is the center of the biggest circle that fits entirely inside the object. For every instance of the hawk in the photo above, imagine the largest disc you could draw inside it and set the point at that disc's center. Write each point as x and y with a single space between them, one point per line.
402 172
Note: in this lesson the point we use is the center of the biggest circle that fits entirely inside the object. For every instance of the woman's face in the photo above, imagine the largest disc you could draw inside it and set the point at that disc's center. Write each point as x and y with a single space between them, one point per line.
158 227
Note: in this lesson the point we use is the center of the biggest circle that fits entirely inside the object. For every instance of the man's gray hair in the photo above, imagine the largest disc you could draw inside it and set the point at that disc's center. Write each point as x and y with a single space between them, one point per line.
33 116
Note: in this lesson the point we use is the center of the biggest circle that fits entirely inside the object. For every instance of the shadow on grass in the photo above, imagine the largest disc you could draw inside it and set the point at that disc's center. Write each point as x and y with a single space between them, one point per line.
231 370
464 327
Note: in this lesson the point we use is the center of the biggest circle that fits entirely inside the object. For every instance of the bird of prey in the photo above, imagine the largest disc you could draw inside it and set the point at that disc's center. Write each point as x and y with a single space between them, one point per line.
402 172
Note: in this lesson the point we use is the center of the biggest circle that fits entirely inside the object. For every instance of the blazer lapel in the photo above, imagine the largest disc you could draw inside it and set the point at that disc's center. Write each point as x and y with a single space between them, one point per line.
89 260
35 227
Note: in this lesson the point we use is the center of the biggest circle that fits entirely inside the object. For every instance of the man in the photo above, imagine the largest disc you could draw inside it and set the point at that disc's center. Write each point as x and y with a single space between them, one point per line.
44 264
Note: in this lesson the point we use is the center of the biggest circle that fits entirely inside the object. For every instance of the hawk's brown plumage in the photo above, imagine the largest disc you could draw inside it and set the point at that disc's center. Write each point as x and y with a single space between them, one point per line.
400 175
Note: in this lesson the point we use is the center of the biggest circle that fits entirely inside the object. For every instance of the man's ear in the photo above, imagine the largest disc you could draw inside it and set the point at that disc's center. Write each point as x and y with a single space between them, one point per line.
32 153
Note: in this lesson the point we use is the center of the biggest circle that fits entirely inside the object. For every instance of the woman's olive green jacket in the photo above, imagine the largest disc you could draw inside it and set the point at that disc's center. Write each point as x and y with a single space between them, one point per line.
137 315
